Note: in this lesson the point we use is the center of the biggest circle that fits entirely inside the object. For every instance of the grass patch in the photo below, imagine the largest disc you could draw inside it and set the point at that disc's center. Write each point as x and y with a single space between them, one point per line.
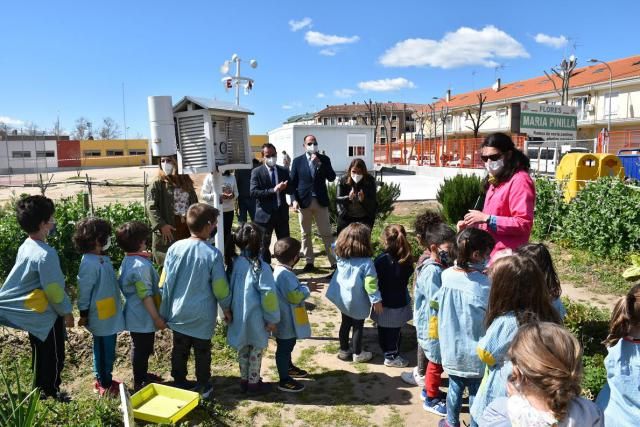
338 416
305 360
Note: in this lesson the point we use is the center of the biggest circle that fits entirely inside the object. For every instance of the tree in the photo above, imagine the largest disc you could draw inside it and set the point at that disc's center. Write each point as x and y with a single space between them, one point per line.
30 128
82 128
476 115
564 72
57 129
374 117
109 129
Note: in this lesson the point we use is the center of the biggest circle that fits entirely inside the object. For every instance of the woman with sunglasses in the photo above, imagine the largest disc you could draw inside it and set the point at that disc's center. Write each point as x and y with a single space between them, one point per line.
510 195
168 200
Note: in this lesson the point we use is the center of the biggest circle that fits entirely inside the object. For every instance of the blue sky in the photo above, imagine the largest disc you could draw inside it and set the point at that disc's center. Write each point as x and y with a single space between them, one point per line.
70 58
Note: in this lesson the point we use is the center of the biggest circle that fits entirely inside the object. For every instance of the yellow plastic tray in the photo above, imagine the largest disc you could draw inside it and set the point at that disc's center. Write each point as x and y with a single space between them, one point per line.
159 403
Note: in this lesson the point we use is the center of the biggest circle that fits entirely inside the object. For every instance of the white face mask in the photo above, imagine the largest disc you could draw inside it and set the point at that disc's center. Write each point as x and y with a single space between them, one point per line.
313 148
522 414
107 245
271 161
167 168
494 166
356 177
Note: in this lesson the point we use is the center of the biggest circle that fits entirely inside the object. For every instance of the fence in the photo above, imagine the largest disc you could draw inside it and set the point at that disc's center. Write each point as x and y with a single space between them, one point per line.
452 152
619 140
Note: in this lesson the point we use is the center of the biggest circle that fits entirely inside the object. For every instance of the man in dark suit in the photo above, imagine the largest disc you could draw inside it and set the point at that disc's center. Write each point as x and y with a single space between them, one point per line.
268 188
309 175
246 204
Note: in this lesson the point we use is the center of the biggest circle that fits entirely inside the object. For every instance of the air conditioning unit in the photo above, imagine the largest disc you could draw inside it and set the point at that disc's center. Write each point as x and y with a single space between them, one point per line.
589 108
206 133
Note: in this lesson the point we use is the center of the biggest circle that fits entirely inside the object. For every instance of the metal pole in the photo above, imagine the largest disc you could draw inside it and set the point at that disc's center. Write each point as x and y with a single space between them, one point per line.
610 87
237 82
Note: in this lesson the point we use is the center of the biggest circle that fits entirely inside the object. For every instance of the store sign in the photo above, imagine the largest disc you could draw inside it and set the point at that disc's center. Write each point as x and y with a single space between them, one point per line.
549 122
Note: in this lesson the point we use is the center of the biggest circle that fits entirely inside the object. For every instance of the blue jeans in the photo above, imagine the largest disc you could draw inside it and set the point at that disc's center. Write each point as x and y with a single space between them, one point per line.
454 397
104 354
283 357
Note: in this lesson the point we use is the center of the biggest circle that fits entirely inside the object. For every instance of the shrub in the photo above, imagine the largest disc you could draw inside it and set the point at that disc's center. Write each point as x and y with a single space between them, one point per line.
550 207
19 407
386 195
603 218
459 194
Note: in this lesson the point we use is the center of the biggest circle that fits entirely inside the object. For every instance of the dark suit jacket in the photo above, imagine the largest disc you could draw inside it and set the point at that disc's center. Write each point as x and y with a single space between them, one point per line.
302 185
262 192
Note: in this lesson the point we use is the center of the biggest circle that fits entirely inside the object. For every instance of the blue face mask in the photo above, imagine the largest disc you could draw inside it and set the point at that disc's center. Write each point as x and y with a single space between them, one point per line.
479 266
444 257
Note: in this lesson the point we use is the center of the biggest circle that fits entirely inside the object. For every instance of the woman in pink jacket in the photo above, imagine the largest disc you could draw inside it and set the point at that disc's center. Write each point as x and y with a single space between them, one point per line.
510 195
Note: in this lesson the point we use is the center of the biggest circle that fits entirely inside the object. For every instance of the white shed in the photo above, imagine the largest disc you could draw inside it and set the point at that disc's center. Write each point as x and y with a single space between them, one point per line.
341 143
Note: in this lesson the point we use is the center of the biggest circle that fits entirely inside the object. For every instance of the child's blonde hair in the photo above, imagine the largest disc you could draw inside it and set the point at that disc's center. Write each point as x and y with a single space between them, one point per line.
547 362
354 242
625 314
394 240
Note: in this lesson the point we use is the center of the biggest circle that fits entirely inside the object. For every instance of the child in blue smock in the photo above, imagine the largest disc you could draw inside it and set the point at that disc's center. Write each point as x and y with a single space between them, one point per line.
620 397
518 295
354 289
436 237
463 302
33 296
255 307
294 322
139 284
99 299
539 253
194 284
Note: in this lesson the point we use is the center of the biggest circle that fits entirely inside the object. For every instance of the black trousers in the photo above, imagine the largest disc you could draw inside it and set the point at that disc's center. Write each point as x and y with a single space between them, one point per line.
345 327
422 362
344 221
389 339
48 358
279 222
141 350
180 356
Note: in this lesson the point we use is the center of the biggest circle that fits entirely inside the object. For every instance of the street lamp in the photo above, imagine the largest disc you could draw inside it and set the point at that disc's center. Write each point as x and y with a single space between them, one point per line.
235 81
593 60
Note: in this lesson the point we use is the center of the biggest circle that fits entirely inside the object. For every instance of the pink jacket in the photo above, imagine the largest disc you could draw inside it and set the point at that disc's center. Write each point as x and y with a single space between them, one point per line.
512 204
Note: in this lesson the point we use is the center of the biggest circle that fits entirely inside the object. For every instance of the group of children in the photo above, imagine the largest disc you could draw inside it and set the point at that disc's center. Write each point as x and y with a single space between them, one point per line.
495 330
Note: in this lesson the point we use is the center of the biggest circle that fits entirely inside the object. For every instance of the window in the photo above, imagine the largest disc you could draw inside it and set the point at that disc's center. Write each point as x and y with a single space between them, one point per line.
502 114
45 154
356 145
357 151
394 118
115 153
383 131
137 152
91 153
325 121
383 140
333 121
394 131
581 107
21 154
614 104
339 120
393 139
383 118
449 123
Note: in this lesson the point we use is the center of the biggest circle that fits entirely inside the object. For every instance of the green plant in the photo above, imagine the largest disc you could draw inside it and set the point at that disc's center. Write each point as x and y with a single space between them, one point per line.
595 375
458 195
550 207
386 195
19 407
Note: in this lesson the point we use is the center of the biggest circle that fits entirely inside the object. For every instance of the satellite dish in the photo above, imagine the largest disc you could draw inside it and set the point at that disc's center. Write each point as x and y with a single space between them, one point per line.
224 68
253 63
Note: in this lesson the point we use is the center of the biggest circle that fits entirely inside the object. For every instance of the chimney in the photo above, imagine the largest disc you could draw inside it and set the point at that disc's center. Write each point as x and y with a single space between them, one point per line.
448 95
497 85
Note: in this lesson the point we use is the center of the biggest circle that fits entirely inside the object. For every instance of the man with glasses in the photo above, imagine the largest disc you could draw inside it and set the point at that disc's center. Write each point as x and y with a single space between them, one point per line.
309 175
268 188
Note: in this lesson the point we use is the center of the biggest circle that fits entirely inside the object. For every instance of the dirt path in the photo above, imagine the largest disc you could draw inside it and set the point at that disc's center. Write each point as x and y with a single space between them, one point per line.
583 295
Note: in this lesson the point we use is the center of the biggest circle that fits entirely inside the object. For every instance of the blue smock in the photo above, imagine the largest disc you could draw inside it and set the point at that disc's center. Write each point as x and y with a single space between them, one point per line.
193 286
492 350
254 303
354 287
559 306
33 295
138 280
425 312
463 302
99 293
620 397
294 321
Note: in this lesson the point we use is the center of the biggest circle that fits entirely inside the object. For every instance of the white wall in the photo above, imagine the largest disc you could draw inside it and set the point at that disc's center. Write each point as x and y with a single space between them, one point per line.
9 163
334 140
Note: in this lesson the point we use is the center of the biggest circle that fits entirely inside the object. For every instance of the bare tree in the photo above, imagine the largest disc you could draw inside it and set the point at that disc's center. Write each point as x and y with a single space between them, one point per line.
444 113
564 72
30 128
109 129
82 126
476 115
57 129
374 117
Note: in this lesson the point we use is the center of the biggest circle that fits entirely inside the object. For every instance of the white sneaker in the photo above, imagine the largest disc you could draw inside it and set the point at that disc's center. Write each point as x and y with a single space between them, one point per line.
363 356
412 378
398 362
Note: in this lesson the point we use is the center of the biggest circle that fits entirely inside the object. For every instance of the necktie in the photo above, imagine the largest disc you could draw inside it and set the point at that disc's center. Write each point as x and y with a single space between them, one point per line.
273 176
312 168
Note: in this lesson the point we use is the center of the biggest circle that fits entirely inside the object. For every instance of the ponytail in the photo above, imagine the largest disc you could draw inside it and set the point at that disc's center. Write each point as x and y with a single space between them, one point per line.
626 314
470 240
394 240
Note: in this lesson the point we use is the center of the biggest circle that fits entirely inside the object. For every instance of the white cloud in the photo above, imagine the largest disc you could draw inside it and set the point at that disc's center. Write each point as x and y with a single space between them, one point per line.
9 121
320 95
328 52
315 38
287 107
465 46
299 25
385 85
344 93
551 41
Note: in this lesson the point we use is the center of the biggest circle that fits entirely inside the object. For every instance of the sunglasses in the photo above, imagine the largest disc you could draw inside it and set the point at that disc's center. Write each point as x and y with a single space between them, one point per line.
309 144
492 157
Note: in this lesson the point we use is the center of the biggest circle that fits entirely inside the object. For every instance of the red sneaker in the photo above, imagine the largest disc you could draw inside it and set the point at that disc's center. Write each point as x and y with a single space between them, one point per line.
97 388
114 388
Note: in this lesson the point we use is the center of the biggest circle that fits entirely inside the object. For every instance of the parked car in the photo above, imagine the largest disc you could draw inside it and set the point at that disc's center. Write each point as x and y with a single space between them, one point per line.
546 159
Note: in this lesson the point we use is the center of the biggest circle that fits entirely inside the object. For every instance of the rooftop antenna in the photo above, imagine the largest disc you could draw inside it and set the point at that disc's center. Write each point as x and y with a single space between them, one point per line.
496 70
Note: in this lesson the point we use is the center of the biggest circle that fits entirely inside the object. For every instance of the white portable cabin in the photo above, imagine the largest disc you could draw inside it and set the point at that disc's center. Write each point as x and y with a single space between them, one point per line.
341 143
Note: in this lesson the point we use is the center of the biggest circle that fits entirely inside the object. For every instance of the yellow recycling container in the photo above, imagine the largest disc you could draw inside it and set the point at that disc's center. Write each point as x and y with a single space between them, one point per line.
610 165
575 169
